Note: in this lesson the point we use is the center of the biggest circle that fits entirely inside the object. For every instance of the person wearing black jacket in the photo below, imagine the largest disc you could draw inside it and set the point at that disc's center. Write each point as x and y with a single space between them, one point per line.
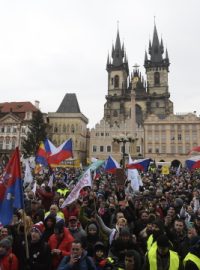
39 251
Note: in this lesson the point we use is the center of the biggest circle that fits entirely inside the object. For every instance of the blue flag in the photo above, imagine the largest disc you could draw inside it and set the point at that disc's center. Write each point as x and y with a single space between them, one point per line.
11 192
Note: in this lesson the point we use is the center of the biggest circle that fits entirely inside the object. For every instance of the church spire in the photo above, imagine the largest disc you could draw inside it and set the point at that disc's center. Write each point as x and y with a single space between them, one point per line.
156 51
157 48
118 52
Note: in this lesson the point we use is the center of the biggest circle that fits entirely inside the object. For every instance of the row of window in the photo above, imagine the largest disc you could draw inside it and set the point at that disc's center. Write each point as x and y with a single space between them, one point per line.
101 148
8 143
66 128
108 149
102 134
172 127
173 149
173 137
11 129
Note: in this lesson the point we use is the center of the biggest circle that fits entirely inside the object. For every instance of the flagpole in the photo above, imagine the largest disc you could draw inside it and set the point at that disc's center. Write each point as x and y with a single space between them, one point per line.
25 235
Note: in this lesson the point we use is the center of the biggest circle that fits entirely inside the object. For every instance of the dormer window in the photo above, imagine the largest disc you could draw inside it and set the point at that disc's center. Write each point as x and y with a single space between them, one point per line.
28 116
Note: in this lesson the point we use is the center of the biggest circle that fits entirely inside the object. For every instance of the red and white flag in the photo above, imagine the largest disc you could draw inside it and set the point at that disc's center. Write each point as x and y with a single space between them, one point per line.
84 181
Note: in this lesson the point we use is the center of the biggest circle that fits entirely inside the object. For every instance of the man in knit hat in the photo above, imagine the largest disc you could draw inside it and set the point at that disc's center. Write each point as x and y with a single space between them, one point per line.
39 251
8 260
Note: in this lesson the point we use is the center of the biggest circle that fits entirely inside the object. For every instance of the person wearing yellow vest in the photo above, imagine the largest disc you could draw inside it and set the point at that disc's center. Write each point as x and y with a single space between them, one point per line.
157 230
54 210
192 259
161 257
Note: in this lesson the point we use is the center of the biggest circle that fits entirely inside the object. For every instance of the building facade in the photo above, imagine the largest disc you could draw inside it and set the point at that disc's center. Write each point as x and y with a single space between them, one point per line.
141 108
68 122
172 138
14 121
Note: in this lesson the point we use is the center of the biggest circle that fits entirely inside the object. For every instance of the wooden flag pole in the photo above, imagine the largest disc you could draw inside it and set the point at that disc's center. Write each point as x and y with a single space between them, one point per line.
25 235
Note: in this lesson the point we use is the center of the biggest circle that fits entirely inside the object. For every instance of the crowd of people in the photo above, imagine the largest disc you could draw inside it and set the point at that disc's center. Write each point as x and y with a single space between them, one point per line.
110 226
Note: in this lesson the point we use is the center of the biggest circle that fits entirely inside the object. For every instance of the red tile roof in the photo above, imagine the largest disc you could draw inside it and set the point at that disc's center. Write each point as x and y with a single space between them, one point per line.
15 107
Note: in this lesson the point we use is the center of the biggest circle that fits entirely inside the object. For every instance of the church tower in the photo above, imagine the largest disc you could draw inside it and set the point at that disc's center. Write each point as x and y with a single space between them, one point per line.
157 69
115 110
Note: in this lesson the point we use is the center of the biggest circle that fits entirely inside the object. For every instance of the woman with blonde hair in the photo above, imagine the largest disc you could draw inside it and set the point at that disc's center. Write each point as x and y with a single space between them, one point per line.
114 232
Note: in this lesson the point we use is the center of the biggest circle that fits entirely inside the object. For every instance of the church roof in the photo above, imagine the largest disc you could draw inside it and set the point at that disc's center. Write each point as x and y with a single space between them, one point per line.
69 104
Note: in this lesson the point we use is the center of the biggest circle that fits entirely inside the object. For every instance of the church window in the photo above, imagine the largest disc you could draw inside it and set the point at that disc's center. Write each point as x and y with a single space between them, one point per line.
156 78
116 81
102 134
72 128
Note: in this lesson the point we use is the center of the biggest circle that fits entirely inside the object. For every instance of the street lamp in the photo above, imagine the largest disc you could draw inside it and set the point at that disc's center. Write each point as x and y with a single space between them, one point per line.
122 138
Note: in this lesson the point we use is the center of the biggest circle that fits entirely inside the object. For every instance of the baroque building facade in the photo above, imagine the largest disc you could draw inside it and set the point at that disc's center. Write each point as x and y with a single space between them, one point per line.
142 109
14 122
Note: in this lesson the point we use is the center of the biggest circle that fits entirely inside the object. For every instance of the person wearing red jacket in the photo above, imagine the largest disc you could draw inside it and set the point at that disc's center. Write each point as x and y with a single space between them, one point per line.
8 260
60 243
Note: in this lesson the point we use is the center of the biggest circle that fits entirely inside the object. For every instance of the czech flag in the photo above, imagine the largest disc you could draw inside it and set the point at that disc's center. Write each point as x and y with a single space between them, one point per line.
193 163
111 165
61 153
11 192
44 151
140 164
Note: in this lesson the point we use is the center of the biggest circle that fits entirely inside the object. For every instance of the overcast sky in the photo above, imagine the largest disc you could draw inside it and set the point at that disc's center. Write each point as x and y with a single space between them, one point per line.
52 47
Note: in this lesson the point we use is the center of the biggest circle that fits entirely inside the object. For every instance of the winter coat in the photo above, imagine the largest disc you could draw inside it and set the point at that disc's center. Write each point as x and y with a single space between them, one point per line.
64 246
85 263
39 256
9 262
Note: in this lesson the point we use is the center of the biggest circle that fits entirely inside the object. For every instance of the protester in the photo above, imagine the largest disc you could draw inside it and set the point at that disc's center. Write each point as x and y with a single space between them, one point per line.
8 260
192 259
115 224
40 253
78 259
161 256
60 243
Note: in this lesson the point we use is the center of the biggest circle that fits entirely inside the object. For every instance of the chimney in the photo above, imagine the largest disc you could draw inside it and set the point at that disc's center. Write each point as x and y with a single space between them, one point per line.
37 103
